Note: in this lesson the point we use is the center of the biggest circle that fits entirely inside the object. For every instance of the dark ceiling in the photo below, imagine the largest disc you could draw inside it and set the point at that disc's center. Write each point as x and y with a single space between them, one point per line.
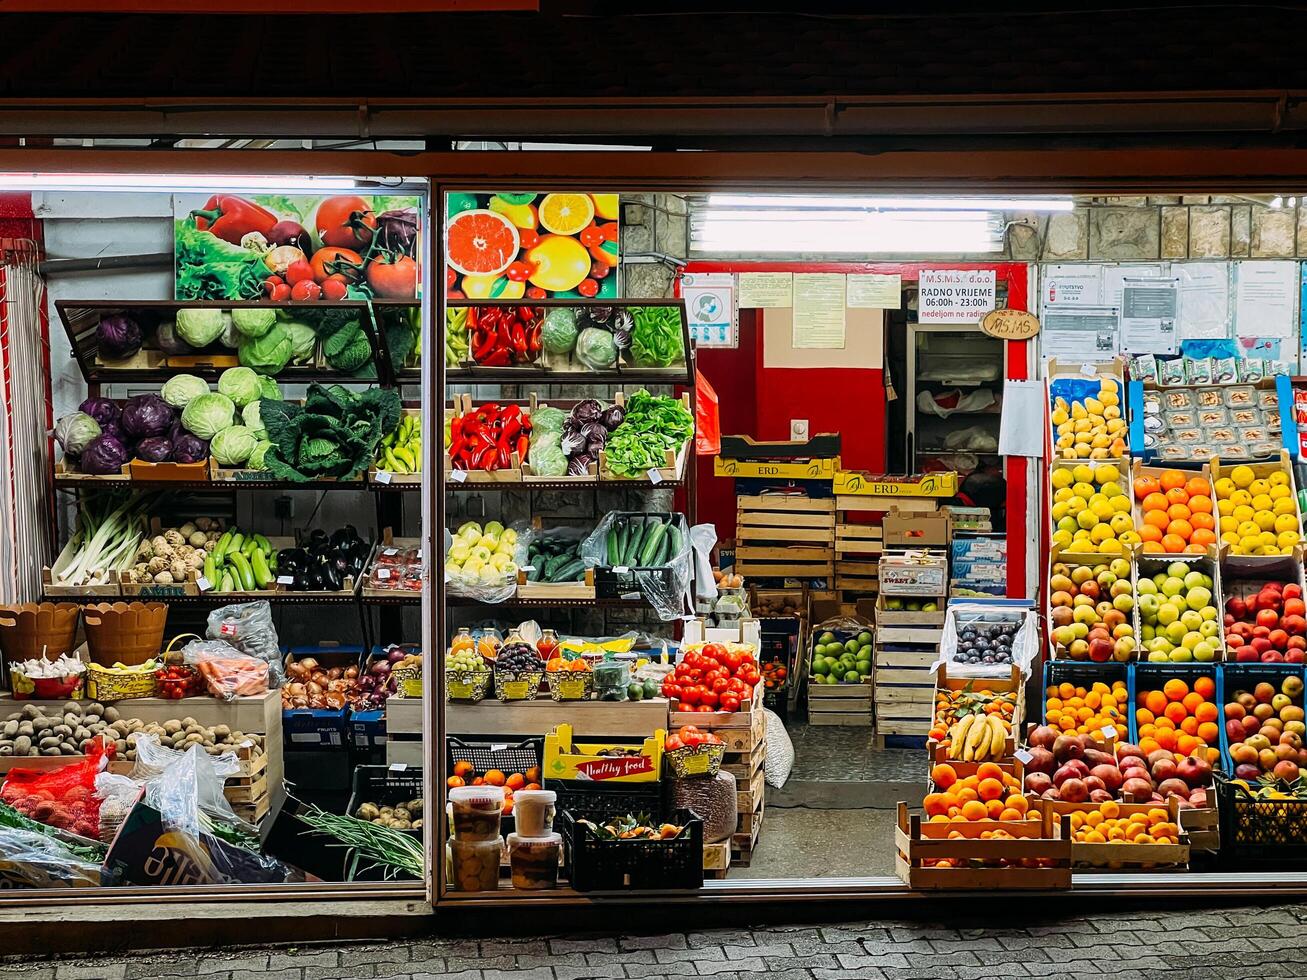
575 56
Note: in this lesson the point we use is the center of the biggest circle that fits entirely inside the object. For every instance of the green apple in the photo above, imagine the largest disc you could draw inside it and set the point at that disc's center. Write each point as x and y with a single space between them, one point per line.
1198 598
1204 652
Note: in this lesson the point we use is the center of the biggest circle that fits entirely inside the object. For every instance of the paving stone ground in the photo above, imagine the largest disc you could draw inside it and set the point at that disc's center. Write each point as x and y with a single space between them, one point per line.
1147 944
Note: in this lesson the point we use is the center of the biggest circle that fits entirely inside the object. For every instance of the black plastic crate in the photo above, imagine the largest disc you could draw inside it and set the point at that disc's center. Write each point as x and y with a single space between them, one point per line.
506 757
387 787
635 580
595 865
603 801
1260 831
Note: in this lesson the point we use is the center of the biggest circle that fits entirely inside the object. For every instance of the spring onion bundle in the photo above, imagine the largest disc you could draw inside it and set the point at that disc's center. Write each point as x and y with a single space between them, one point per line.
370 841
110 527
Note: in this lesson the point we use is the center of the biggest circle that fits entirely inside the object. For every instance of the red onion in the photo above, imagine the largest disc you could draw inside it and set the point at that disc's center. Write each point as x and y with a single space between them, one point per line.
396 655
381 668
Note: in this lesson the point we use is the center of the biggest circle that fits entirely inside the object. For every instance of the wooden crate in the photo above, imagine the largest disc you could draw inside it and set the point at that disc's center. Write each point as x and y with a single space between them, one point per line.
742 765
745 839
716 859
858 539
1203 828
906 647
840 704
785 537
1115 856
917 841
998 685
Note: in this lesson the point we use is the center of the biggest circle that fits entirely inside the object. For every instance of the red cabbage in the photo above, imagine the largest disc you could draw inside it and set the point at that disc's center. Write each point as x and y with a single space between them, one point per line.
146 415
103 410
187 448
154 449
104 455
118 335
168 341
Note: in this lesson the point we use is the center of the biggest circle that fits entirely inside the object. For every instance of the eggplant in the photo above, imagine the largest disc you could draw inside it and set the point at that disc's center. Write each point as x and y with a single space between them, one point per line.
345 535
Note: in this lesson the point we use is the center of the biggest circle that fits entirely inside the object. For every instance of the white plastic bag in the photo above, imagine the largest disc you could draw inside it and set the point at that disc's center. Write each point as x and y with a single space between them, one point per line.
780 751
981 619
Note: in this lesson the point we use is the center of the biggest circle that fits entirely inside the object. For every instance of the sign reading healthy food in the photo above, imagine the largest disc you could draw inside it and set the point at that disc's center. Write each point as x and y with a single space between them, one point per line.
955 295
511 245
1009 324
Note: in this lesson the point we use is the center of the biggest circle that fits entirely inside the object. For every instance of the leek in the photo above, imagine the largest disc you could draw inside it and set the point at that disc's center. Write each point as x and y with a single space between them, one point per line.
108 534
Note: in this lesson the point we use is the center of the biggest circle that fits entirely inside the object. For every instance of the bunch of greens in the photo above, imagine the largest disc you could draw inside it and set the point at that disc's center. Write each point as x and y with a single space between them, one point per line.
656 340
401 326
653 424
209 268
345 343
333 434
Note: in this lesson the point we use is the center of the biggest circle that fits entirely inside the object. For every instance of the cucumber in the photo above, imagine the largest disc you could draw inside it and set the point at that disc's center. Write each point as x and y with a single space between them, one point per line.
673 539
220 548
614 545
535 573
242 566
650 549
211 570
552 566
633 548
228 583
664 553
569 571
263 576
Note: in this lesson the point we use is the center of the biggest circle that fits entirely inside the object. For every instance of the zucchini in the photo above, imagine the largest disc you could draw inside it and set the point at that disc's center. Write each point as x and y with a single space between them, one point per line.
650 549
243 570
664 552
220 548
614 544
552 565
569 571
535 573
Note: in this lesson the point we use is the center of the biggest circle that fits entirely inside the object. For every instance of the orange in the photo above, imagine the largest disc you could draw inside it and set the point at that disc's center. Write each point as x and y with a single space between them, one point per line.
1143 716
1155 501
1017 802
1178 528
494 777
1179 512
989 770
1155 701
480 243
1194 549
1157 519
1209 732
1176 495
1206 686
1007 813
1166 739
1151 533
1198 486
935 804
1202 536
1173 543
1165 722
1185 744
990 789
1149 744
966 795
1175 689
974 810
1200 504
1171 479
533 774
516 781
1147 730
1205 711
1152 548
1189 726
1175 711
463 768
1203 519
993 808
1145 485
943 776
1191 701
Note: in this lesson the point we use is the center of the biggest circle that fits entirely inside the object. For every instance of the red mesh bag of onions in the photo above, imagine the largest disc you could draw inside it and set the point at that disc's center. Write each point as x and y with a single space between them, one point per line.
65 797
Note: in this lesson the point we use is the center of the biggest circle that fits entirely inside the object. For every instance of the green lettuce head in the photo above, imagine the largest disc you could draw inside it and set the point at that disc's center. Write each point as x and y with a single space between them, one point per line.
241 385
267 354
207 415
253 321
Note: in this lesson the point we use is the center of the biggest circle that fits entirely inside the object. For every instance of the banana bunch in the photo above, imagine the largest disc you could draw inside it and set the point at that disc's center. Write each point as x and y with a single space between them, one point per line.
976 738
401 450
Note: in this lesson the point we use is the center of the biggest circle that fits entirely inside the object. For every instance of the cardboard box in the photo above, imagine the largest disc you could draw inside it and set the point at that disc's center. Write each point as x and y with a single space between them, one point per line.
746 631
917 531
913 574
367 729
979 548
312 728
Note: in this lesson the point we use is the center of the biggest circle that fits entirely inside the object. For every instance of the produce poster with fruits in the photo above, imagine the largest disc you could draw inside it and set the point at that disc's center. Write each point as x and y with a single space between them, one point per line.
297 247
510 245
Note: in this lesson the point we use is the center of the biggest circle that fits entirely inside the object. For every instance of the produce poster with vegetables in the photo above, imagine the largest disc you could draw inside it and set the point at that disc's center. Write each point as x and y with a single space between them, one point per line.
300 247
510 245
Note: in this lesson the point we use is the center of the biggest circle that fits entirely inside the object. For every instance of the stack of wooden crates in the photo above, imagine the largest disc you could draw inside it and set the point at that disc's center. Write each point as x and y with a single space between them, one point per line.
913 569
784 536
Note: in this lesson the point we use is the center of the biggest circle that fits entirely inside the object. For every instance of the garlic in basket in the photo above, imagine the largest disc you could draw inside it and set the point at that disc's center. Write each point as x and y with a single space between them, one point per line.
63 667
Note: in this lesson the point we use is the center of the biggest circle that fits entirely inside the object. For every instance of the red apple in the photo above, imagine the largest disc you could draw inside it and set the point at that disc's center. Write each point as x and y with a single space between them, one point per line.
1279 639
1236 607
1292 591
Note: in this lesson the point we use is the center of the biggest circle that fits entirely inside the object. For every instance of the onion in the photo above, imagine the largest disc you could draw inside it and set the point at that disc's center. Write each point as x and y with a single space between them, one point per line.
337 685
295 690
335 699
309 664
381 668
297 670
317 701
315 688
352 671
396 655
335 673
300 702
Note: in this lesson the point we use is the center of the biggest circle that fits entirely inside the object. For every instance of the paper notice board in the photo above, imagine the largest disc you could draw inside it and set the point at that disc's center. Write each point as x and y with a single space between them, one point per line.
819 310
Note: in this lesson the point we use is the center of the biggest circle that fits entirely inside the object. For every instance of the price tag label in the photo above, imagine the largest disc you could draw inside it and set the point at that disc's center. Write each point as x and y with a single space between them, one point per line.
655 477
1089 370
204 584
1109 733
398 766
1023 756
285 580
390 551
528 568
620 569
458 476
499 748
383 476
383 573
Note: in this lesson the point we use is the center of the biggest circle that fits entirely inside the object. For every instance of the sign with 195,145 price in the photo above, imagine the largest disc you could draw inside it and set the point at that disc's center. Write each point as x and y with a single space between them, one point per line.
955 295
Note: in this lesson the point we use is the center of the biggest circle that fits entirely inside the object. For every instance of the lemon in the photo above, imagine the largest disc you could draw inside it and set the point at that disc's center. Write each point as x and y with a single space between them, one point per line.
1061 477
1278 479
1106 474
1242 476
566 214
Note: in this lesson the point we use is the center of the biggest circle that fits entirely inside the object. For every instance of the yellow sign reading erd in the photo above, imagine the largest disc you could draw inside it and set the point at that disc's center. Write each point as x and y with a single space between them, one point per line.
811 469
865 485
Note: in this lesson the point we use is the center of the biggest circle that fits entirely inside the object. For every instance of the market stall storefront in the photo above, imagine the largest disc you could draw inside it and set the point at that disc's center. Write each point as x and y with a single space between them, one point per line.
557 331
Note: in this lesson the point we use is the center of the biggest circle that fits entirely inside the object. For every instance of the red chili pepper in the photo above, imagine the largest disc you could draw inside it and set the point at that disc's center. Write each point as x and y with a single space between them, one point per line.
473 317
499 358
511 428
484 348
522 444
502 455
519 339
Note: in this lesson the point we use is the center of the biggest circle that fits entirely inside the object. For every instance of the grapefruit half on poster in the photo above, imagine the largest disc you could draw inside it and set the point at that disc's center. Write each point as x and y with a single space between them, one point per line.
480 243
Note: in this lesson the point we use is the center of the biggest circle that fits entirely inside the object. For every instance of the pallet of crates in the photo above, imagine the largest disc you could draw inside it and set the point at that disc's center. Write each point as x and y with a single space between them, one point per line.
744 734
858 549
785 537
907 643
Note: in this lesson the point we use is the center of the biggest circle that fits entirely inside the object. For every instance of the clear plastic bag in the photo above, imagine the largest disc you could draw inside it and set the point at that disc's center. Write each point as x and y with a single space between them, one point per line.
1010 636
667 592
248 627
780 751
464 576
227 673
703 537
64 797
32 860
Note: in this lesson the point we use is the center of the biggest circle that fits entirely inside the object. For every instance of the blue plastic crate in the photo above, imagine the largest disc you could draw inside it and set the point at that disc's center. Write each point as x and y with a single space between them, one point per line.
1235 677
1151 677
1082 673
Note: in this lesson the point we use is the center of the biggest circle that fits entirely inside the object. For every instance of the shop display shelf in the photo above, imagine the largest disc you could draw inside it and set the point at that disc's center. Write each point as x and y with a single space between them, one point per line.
73 482
221 598
547 603
81 317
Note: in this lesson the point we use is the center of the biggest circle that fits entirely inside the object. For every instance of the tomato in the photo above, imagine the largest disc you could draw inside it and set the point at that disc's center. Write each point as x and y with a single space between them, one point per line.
690 695
730 702
714 650
686 730
396 279
279 293
673 743
734 658
332 261
737 686
705 708
672 691
720 685
451 277
693 738
588 288
346 221
535 292
529 239
708 698
519 271
591 235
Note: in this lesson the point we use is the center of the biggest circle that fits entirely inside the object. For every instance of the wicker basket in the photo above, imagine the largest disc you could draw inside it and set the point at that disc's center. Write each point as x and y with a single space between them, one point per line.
111 684
38 629
696 760
125 632
515 686
571 685
466 686
408 682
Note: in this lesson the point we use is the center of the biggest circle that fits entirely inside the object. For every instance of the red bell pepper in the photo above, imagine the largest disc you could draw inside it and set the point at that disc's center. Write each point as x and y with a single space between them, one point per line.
231 218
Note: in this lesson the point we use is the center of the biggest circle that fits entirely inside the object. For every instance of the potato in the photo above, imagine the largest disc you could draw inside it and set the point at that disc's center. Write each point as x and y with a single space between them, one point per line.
22 744
63 730
172 726
112 714
49 741
11 729
51 751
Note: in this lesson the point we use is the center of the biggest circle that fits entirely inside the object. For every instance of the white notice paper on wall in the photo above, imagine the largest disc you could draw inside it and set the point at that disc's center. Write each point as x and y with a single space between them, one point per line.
1114 277
766 290
875 292
1079 333
1265 298
818 310
710 308
955 295
1204 299
1148 316
1066 286
1018 433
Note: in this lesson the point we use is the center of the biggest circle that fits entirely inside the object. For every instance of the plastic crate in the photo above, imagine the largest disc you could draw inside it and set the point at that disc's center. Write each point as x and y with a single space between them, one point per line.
385 786
603 801
1239 677
1151 677
1260 831
595 865
1082 673
506 757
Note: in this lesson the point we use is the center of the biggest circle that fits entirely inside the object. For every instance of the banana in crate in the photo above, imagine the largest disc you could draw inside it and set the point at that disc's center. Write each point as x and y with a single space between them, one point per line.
977 738
400 451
